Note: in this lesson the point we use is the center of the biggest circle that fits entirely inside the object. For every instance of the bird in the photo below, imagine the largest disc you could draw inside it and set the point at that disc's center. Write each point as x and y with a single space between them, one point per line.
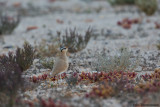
61 62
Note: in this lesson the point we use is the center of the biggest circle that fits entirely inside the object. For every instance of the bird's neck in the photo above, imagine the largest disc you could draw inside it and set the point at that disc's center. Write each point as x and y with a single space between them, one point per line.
63 55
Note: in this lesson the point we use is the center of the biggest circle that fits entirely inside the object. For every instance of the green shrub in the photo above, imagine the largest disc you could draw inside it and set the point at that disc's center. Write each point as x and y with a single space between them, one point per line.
149 7
25 56
121 62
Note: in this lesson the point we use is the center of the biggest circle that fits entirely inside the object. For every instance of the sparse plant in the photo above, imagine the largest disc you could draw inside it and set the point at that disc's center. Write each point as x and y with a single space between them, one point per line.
47 63
45 49
8 24
25 56
75 41
121 62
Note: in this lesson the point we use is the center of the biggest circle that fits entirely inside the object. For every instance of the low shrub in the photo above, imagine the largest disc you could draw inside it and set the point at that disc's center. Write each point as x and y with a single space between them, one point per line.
75 41
8 24
24 56
121 62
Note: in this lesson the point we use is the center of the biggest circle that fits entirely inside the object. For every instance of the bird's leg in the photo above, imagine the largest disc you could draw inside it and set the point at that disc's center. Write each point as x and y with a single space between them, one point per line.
61 78
56 79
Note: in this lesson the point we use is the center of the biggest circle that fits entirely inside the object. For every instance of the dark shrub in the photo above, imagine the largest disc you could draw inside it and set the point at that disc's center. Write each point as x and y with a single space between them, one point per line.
25 56
8 24
10 78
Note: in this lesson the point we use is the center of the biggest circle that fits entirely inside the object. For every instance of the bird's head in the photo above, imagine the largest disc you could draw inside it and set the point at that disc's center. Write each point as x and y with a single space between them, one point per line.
63 49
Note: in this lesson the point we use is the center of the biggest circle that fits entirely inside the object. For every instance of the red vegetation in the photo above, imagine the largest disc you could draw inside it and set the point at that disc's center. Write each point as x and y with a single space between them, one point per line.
102 91
46 103
100 76
51 103
152 76
59 21
126 23
157 25
36 79
122 82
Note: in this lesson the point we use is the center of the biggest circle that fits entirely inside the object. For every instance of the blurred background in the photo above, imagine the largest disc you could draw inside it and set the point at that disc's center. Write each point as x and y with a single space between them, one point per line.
39 18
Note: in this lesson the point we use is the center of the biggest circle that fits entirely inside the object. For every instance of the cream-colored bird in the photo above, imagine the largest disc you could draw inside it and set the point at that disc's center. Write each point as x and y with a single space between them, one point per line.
61 62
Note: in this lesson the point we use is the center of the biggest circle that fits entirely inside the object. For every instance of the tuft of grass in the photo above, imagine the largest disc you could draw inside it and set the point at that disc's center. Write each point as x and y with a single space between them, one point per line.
120 62
8 24
25 56
75 41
